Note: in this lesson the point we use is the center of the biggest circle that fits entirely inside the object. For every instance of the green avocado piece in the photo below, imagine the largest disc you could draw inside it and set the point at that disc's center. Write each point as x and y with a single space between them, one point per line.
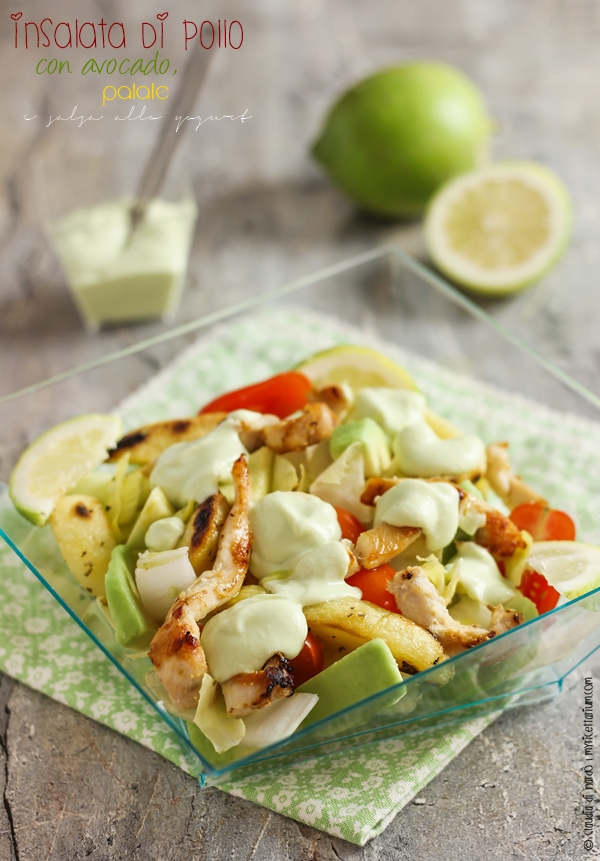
133 628
260 468
365 671
155 508
373 440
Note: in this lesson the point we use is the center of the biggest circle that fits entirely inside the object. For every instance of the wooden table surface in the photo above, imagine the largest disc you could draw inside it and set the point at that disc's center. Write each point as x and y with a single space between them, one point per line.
73 789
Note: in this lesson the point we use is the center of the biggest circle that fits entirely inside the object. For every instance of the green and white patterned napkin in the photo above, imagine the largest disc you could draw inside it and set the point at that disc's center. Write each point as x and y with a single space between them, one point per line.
354 794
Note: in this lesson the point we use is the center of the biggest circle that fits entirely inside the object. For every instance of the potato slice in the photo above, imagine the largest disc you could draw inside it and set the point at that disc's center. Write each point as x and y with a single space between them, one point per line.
203 530
146 443
85 539
347 624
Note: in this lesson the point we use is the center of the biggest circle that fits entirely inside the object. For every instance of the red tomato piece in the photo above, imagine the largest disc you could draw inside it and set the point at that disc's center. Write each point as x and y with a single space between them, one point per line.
350 525
535 587
280 395
373 586
543 523
309 662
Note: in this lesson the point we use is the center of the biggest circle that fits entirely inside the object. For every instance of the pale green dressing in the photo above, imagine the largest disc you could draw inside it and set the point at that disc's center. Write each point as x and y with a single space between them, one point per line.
432 506
192 470
242 638
480 576
115 275
420 452
164 534
317 576
393 409
285 526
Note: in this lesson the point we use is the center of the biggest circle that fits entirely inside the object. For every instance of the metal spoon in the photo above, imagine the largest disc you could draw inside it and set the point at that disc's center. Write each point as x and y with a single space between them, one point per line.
157 165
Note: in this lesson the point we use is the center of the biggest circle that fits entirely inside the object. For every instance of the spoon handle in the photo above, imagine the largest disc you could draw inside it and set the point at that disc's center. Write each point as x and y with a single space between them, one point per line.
157 165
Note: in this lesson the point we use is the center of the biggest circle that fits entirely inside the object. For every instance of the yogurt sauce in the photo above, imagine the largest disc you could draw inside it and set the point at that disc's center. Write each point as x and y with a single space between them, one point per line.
433 506
393 409
115 275
480 576
420 451
193 470
286 525
319 575
164 534
243 637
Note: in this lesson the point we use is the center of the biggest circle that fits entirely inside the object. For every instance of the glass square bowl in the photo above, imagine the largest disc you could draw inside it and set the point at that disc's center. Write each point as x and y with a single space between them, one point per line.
473 371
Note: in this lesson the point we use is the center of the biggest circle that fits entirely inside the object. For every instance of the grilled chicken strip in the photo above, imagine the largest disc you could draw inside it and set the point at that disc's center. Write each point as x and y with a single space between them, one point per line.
500 536
335 398
503 620
511 488
175 650
247 692
377 486
418 600
382 543
314 425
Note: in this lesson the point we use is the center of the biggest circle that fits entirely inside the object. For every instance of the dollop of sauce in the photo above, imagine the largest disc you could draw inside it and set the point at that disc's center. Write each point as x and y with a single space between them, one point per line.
420 452
480 576
393 409
286 525
243 637
193 470
317 576
433 506
164 534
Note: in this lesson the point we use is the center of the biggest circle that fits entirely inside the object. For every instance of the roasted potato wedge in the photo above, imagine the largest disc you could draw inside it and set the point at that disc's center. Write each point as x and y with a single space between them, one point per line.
146 443
347 624
202 532
85 539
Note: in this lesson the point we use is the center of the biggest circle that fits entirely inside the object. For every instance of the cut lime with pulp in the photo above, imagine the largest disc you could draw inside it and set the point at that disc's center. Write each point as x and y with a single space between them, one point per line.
571 567
499 228
57 460
357 367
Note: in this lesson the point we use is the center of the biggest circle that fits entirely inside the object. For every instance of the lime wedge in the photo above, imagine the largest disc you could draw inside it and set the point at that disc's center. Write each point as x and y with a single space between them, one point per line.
57 460
573 568
357 367
497 229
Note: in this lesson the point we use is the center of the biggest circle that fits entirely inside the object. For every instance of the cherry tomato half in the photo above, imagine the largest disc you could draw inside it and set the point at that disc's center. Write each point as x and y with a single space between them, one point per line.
373 586
309 662
350 525
543 523
535 587
280 395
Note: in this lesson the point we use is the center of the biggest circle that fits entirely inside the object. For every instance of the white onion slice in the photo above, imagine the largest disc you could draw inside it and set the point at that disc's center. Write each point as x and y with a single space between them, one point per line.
278 720
161 577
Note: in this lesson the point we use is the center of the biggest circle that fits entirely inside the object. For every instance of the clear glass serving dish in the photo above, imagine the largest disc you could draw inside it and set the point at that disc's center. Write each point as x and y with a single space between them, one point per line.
474 373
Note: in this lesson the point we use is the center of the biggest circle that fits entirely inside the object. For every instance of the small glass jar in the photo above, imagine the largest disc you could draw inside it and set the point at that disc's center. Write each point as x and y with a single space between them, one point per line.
117 274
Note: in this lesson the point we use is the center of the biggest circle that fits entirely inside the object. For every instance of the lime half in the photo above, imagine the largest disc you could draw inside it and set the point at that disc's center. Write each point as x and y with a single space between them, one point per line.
57 460
571 567
355 366
499 228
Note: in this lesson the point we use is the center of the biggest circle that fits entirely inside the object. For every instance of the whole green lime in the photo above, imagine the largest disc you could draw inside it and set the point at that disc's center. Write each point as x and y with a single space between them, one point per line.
394 138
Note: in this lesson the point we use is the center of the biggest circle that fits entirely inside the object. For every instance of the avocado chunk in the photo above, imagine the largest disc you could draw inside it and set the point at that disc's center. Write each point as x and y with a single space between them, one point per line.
373 440
156 507
133 628
260 467
365 671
